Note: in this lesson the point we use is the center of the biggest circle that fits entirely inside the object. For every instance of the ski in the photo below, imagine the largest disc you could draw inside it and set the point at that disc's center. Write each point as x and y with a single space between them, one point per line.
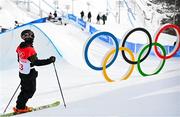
54 104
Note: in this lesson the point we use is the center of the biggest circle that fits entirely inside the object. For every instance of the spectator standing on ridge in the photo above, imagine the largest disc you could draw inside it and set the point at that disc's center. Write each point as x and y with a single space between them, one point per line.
89 16
16 24
55 14
98 19
104 18
50 16
82 14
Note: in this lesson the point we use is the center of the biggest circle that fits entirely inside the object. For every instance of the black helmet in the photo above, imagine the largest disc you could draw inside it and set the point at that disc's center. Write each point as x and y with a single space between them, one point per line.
27 35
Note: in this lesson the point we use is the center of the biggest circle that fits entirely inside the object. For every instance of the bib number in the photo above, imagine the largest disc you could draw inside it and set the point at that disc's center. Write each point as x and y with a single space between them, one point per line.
20 66
24 66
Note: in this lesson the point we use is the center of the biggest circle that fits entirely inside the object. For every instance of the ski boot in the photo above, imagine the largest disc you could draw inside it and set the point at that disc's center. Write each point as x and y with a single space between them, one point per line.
26 109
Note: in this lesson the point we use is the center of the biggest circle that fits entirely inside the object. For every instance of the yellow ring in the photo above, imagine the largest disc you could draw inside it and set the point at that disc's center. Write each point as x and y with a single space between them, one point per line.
126 76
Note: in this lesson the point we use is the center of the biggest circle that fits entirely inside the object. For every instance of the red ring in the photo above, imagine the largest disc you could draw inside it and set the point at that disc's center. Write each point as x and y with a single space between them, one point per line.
177 29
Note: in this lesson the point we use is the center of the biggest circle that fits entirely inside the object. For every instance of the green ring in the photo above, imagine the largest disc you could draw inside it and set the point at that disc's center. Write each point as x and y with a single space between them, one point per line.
162 63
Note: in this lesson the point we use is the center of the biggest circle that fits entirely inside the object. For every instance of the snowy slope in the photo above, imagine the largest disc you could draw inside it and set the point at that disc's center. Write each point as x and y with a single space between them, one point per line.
86 92
151 98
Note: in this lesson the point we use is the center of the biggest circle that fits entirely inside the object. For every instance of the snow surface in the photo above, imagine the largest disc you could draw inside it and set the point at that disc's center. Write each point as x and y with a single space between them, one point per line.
86 91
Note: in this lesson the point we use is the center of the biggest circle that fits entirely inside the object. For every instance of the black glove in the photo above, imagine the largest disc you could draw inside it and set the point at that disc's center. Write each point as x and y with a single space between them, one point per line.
52 59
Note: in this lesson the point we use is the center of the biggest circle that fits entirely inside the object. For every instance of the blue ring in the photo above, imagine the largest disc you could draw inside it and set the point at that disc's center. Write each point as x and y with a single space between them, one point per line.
88 44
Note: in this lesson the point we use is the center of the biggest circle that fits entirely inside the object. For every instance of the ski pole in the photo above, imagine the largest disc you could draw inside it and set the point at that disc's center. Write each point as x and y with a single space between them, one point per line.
11 98
59 85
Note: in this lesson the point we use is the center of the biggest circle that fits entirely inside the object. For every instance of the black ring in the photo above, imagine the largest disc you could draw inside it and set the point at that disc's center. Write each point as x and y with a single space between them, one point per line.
126 37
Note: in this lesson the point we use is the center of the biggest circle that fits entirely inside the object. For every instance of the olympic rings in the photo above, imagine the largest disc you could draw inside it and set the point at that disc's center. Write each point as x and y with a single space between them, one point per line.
165 27
125 38
132 58
162 63
88 44
126 76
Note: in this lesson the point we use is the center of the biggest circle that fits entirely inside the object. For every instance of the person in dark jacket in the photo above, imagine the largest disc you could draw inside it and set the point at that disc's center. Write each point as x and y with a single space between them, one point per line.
98 19
16 23
27 58
104 18
55 14
89 16
82 14
50 16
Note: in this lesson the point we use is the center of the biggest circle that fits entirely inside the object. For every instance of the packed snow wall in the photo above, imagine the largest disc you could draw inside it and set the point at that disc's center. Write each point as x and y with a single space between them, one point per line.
11 39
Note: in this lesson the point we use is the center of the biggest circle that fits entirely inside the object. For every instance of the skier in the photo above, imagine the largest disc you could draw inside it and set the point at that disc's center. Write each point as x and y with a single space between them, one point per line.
27 58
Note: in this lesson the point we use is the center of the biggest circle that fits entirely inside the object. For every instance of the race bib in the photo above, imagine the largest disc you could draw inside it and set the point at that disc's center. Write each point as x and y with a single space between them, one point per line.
24 66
